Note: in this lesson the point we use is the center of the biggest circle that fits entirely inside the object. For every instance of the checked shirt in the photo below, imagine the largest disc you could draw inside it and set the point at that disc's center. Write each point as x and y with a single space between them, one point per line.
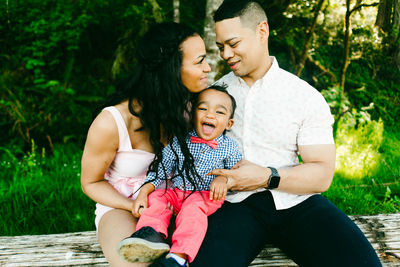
206 159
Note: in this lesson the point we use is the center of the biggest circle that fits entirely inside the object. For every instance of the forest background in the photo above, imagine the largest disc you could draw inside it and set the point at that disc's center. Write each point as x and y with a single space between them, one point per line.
60 59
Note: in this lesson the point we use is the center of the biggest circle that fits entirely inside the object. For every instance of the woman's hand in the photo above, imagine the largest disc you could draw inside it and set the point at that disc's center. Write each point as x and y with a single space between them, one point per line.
218 188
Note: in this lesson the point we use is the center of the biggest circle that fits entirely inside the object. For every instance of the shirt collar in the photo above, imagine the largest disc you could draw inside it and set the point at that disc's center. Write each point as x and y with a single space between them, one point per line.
273 69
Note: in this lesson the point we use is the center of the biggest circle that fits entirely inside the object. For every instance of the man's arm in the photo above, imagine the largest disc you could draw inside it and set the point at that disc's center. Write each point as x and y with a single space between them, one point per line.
313 176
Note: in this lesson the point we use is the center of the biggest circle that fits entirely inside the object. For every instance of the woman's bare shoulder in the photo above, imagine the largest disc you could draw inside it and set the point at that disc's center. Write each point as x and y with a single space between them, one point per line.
103 128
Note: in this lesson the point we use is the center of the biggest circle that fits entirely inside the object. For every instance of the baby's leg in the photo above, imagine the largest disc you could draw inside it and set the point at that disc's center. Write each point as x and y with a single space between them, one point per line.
191 223
158 214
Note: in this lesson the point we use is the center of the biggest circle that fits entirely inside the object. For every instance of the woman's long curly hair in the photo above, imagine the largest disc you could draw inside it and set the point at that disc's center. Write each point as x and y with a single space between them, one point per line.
157 86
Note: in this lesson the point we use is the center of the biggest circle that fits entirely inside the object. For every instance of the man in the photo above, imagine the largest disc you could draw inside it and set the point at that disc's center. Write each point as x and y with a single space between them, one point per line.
278 117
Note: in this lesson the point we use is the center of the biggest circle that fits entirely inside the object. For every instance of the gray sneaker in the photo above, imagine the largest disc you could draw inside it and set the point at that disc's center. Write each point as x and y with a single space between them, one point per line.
145 245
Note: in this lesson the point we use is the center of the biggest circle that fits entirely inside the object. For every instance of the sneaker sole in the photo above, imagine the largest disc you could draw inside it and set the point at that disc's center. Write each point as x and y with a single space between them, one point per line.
140 250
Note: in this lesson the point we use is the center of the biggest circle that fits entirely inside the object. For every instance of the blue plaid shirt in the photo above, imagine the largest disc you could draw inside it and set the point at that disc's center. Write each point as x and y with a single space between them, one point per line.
206 159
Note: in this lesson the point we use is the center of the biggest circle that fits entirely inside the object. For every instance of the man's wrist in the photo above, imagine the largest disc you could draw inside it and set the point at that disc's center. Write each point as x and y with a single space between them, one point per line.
267 173
274 178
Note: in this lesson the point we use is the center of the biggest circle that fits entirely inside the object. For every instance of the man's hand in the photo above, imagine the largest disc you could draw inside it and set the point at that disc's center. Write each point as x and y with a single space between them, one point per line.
244 176
218 188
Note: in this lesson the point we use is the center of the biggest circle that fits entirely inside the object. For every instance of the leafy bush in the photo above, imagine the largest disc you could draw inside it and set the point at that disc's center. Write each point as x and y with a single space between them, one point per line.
58 68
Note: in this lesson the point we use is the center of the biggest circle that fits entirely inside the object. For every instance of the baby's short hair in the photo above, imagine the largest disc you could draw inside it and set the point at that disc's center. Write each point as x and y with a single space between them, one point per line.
221 88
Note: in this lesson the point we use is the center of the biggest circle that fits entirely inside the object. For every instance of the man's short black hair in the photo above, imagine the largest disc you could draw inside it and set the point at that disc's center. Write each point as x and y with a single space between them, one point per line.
250 12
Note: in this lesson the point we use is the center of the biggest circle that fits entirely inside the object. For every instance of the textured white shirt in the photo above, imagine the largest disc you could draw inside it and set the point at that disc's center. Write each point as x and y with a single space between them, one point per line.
274 116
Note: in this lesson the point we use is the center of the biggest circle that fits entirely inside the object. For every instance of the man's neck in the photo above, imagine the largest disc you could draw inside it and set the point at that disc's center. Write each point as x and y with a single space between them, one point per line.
265 65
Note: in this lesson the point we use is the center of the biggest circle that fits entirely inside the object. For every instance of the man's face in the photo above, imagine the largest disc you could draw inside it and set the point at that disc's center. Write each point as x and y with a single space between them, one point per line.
240 46
213 114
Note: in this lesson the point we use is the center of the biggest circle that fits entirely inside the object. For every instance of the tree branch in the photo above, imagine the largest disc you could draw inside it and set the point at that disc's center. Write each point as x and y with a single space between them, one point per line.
361 6
324 70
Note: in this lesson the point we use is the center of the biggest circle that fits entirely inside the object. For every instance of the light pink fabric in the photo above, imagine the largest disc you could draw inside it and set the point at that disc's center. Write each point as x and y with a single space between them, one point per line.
191 219
128 169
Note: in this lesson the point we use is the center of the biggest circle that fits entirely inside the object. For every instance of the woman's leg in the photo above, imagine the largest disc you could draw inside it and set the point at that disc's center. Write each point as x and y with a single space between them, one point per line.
114 226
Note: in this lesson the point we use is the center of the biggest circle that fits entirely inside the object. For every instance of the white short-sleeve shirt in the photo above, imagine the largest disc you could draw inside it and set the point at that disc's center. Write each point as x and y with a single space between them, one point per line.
274 116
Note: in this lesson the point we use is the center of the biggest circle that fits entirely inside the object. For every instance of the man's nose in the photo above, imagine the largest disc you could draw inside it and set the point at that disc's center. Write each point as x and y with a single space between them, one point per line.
227 53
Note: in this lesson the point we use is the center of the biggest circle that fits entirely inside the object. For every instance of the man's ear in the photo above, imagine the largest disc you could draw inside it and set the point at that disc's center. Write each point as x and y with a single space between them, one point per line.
230 124
263 31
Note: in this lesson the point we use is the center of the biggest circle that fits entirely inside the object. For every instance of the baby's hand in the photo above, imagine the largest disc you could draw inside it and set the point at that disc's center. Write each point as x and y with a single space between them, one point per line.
218 188
138 206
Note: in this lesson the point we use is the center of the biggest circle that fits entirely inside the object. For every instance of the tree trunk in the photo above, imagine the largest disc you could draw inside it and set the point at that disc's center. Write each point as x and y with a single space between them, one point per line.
209 38
388 20
346 50
124 54
384 14
176 11
307 41
396 22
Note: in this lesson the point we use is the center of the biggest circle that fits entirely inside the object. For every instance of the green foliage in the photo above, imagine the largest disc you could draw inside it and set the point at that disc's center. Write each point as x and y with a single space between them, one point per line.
59 60
378 84
42 195
357 151
367 168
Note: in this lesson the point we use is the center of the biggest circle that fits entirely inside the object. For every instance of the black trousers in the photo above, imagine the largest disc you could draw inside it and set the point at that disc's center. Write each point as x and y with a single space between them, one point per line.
312 233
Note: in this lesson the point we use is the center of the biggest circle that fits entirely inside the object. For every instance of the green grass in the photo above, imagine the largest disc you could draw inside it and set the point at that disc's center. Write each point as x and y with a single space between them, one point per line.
367 177
41 194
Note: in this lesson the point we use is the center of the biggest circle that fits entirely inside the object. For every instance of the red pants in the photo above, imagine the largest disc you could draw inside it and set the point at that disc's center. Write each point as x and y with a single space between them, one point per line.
191 219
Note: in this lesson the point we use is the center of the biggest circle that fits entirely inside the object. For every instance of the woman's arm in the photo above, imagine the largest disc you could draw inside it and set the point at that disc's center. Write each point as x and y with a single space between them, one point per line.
100 149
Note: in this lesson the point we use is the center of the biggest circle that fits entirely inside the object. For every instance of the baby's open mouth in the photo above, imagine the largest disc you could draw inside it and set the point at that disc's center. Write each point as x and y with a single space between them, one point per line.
208 128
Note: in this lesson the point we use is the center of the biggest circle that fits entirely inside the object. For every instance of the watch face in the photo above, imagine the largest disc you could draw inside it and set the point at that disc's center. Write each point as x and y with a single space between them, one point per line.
274 182
274 179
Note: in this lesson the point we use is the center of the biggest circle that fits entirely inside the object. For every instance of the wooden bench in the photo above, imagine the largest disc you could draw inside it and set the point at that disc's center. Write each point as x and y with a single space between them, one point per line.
82 249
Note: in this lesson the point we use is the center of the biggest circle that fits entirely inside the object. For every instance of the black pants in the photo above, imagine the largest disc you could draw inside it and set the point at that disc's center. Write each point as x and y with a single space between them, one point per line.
312 233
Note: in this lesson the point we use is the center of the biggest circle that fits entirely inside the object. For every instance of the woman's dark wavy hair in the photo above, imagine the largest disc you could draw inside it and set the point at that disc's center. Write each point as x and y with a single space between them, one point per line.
157 86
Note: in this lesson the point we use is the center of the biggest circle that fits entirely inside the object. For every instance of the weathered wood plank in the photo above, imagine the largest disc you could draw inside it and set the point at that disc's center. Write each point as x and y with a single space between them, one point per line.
383 231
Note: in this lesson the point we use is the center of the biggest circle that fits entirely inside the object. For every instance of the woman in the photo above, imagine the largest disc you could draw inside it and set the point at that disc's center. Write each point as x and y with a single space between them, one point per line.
143 116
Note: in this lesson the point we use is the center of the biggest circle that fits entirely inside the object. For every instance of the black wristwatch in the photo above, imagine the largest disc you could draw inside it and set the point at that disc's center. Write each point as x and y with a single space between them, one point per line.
274 179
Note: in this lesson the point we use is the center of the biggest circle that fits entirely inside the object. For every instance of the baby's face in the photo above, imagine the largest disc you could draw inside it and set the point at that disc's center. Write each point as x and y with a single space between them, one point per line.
212 114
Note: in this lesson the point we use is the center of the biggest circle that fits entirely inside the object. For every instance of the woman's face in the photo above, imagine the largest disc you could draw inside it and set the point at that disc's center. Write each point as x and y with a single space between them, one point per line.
194 66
